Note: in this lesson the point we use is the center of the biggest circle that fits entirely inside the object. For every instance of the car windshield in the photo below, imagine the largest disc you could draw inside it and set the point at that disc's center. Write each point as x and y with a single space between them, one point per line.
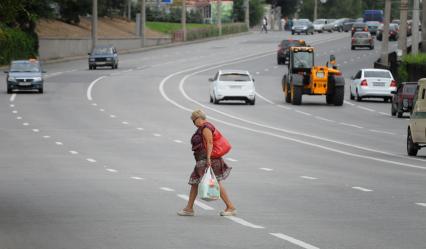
234 77
301 23
25 67
377 74
303 59
361 35
359 25
393 26
99 51
411 89
373 24
319 22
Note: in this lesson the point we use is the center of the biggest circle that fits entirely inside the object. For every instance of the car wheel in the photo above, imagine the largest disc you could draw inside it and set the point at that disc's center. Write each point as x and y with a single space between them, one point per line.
90 67
358 98
400 114
9 90
296 95
292 32
40 90
215 101
94 67
116 66
372 47
252 102
412 148
352 97
352 47
211 99
393 109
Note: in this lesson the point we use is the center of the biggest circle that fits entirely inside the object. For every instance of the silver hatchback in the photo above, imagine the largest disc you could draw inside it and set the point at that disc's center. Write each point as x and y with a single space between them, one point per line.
362 39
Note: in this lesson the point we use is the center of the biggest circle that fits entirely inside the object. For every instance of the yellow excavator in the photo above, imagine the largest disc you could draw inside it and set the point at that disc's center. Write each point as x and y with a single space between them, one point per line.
305 78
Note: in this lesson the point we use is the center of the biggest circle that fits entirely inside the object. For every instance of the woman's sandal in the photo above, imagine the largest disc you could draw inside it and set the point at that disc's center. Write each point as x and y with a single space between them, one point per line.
228 213
185 213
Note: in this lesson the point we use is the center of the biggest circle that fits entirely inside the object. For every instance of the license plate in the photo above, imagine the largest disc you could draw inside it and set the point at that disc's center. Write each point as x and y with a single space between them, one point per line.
236 87
25 83
320 74
378 83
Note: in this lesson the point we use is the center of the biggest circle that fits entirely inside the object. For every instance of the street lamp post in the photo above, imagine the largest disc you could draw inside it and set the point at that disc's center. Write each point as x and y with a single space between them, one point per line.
142 23
384 58
415 28
94 23
183 20
247 12
402 42
219 16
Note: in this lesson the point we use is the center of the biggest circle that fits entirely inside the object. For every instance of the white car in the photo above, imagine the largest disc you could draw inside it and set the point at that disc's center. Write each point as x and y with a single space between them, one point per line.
372 83
416 133
232 85
319 25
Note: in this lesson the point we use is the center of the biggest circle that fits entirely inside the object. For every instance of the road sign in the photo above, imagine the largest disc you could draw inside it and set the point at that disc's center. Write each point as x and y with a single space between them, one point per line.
167 1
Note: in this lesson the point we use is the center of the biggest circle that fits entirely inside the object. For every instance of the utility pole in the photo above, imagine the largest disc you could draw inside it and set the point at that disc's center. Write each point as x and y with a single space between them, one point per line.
415 28
384 58
424 26
183 19
129 10
219 16
402 42
143 20
247 13
94 23
315 10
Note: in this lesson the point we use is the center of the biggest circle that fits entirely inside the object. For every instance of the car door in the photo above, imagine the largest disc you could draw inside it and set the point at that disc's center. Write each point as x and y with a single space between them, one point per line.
213 82
419 128
355 82
115 55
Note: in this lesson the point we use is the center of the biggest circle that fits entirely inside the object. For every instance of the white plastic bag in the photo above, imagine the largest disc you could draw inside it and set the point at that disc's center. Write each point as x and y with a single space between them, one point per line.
208 189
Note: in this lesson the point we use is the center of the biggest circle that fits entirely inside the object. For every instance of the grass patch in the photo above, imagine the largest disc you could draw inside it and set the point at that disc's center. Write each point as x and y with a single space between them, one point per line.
168 27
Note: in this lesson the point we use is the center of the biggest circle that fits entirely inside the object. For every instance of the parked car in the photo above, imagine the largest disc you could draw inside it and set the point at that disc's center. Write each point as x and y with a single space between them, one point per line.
362 39
373 26
402 100
329 26
416 132
283 49
338 24
24 75
347 25
103 56
302 26
319 25
372 83
358 27
397 21
232 85
393 32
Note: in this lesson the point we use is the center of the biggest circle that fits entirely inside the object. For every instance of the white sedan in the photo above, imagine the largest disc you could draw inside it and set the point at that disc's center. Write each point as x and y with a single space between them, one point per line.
232 85
372 83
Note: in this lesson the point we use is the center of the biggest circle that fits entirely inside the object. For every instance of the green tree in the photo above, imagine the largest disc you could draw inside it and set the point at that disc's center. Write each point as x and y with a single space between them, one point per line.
256 11
71 10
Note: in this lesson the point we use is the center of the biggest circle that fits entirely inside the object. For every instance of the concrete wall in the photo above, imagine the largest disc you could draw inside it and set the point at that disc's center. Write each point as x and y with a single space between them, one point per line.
54 48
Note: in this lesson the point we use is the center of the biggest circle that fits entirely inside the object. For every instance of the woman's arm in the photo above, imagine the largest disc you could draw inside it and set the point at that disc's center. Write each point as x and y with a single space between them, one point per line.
208 138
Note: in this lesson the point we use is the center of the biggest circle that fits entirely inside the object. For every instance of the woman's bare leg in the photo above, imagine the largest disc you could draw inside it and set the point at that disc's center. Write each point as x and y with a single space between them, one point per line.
192 195
225 198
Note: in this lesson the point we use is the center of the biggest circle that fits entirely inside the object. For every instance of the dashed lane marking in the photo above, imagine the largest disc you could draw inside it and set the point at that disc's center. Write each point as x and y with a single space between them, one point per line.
243 222
102 110
12 105
73 152
284 107
266 169
365 108
25 124
351 125
167 189
91 160
140 129
12 97
112 116
112 170
304 113
14 111
383 132
349 103
309 177
89 89
94 104
136 178
18 118
46 137
197 203
177 141
125 122
362 189
421 204
231 159
59 143
265 99
36 130
294 241
156 135
325 119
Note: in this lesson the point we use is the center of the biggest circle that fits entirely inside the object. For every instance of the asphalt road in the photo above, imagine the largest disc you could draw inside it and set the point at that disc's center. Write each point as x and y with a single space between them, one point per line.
102 158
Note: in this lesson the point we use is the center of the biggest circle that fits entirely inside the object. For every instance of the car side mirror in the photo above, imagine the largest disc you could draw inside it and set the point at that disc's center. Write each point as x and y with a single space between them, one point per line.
254 80
5 71
88 53
393 92
43 71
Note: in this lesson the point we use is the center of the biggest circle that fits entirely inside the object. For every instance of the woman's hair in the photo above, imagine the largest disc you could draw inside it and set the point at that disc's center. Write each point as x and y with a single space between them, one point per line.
198 114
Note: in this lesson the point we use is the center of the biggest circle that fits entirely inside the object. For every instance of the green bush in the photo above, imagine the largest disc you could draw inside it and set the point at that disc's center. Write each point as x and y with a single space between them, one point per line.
201 33
412 67
15 44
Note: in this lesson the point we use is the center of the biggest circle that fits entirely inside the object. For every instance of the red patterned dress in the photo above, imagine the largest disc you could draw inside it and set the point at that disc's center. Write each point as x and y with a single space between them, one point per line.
220 168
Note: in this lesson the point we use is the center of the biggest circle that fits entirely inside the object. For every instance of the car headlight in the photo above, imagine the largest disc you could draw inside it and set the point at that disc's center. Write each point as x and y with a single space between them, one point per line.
304 27
12 79
37 79
92 59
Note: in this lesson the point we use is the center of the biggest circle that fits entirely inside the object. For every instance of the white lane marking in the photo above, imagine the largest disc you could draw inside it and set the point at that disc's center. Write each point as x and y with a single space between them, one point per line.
46 136
25 124
91 160
266 169
36 130
383 132
345 62
239 60
136 178
59 143
89 89
365 108
102 110
275 67
421 204
73 152
197 203
12 97
12 105
94 104
167 189
309 177
156 135
128 71
18 118
284 107
265 99
257 73
243 222
231 159
362 189
112 116
266 70
177 141
112 170
351 125
384 113
14 111
325 119
349 103
140 129
304 113
294 241
125 122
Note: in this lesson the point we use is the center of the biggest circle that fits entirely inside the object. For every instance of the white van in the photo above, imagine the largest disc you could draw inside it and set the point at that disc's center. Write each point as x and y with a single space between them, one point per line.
416 134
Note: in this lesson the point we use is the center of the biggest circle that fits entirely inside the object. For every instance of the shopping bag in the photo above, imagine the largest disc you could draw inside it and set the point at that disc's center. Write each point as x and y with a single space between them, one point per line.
221 146
208 188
